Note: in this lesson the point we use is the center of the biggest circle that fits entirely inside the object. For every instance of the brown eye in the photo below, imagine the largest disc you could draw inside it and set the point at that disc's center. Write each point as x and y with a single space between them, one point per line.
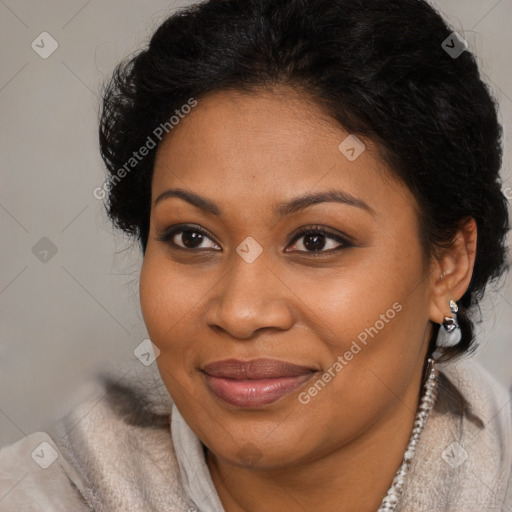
186 237
317 240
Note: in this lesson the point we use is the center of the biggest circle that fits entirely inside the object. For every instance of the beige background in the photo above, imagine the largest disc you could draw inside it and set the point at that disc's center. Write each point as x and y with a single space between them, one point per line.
78 312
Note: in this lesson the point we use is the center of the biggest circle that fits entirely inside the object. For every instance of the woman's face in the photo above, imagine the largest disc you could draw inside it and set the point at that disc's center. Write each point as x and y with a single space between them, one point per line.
348 304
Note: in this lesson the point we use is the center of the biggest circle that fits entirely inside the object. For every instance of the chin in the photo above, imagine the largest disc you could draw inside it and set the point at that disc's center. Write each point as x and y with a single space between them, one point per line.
262 454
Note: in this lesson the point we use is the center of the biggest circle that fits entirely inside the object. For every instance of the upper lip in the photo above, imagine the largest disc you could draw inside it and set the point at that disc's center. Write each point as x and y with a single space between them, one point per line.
262 368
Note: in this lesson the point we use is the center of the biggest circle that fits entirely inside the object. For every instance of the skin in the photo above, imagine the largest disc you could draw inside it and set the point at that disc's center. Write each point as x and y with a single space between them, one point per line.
247 153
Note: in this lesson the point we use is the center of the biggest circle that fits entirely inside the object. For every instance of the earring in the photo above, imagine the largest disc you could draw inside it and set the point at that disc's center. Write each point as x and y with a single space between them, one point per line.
450 335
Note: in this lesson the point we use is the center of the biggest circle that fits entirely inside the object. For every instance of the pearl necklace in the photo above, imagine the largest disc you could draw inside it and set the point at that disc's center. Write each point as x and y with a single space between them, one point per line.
394 493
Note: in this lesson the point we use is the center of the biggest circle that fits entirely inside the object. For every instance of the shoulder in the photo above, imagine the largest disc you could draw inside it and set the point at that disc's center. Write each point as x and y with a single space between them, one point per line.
469 391
34 477
120 445
114 452
485 430
482 395
463 460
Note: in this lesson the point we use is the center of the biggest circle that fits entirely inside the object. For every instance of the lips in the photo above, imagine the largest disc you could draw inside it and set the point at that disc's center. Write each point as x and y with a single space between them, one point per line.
254 383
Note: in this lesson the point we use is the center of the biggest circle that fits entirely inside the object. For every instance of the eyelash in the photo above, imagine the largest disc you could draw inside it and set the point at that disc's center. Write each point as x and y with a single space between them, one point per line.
168 235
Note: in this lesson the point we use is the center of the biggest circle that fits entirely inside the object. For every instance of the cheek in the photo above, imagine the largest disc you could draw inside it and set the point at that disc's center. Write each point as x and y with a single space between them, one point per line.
372 291
153 299
373 313
171 299
165 304
165 300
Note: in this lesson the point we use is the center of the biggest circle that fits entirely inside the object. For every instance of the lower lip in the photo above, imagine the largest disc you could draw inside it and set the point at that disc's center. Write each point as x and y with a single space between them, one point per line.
254 392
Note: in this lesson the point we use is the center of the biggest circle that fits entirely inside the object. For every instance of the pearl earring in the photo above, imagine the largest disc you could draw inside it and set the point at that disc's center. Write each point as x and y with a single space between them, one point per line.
450 335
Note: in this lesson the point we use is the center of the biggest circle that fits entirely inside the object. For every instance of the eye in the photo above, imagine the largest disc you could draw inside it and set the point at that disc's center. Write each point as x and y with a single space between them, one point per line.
191 237
317 240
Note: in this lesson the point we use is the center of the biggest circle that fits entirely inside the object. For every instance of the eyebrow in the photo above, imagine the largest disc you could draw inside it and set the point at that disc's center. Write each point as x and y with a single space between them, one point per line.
282 209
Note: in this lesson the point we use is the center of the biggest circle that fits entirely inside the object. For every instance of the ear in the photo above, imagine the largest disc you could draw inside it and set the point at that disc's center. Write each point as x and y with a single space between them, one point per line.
451 271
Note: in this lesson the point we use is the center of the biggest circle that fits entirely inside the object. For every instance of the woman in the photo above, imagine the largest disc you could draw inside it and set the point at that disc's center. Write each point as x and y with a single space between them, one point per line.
315 188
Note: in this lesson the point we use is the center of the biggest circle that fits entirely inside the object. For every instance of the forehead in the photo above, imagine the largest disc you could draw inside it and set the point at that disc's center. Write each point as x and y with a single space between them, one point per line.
265 146
235 125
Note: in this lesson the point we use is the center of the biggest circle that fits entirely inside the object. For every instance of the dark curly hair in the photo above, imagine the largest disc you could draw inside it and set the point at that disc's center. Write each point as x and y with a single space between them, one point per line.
377 67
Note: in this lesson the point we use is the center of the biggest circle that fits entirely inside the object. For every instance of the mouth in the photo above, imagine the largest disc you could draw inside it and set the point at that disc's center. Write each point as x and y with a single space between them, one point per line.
254 383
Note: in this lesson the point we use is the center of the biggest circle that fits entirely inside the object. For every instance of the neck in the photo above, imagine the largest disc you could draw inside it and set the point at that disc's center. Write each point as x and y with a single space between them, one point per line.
353 478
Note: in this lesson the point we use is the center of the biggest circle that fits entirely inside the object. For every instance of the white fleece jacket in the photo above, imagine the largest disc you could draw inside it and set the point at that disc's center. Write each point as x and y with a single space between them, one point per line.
126 448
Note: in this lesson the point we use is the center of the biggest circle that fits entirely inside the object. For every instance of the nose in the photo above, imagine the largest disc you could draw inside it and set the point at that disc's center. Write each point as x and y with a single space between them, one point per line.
249 298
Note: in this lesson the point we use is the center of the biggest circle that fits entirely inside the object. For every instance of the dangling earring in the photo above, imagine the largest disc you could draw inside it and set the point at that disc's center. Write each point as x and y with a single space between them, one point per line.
450 335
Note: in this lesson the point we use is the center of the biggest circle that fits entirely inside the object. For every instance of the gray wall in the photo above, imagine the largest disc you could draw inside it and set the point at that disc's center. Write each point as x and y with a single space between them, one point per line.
68 314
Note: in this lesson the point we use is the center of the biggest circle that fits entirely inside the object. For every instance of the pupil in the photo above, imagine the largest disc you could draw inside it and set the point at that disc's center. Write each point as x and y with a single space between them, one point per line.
314 242
189 237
